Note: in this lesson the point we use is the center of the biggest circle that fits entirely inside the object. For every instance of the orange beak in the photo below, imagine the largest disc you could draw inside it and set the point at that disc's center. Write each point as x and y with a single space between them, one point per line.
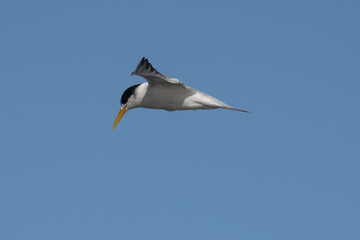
120 115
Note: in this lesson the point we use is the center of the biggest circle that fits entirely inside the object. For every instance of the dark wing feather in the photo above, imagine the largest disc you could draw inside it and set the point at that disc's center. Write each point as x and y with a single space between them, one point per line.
153 76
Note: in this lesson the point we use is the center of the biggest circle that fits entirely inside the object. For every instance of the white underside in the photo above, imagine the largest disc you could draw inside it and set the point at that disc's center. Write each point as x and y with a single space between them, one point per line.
173 97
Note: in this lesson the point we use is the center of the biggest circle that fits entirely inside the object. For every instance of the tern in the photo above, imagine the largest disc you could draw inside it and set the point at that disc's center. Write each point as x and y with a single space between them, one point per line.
161 91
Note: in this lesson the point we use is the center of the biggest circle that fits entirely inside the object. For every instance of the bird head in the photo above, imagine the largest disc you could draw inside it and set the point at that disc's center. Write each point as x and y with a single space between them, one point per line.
126 103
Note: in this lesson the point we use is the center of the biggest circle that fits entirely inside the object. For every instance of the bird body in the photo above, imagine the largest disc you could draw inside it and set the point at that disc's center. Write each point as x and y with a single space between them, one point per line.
173 98
165 92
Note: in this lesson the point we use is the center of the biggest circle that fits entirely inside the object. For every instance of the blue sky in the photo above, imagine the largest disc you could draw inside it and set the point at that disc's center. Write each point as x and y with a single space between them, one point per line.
289 170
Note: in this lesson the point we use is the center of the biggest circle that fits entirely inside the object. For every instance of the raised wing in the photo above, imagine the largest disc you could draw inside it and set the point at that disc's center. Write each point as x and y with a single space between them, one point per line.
147 71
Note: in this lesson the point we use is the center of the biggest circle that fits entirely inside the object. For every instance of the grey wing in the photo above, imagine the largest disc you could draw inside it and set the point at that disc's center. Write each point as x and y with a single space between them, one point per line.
147 71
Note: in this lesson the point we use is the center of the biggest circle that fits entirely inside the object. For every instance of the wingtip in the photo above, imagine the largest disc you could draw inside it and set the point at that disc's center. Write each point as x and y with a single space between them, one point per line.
236 109
240 110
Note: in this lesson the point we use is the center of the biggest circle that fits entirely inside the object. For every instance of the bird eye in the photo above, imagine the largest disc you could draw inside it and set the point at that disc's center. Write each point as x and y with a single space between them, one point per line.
127 94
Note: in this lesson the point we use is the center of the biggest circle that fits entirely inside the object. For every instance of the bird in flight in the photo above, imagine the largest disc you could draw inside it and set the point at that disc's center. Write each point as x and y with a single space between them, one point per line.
161 91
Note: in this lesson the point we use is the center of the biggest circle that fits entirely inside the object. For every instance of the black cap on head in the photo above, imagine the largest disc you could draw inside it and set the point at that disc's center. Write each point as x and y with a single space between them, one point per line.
128 92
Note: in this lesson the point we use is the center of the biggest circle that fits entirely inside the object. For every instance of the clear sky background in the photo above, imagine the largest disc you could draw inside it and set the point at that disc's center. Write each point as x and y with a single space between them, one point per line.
289 170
